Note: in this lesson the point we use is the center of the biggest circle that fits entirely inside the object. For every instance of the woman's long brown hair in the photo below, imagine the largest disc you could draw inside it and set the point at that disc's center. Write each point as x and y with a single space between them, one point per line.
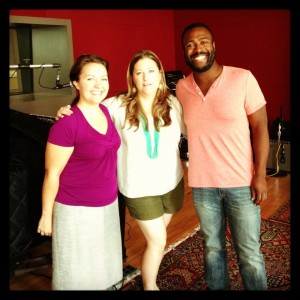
160 108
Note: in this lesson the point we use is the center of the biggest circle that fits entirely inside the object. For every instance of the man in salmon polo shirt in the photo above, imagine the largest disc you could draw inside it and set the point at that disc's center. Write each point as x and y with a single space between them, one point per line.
225 113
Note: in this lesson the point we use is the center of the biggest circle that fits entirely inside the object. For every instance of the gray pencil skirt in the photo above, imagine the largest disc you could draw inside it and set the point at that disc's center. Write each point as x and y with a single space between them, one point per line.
86 247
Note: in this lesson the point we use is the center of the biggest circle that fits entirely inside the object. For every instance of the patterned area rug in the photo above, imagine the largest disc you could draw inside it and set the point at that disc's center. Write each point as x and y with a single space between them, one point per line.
283 214
182 265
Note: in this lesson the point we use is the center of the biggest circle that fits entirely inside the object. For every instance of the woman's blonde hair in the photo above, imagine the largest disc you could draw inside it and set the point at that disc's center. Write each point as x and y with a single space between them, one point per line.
160 108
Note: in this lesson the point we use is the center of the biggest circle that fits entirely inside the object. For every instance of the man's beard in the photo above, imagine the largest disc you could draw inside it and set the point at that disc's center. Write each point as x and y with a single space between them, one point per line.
209 63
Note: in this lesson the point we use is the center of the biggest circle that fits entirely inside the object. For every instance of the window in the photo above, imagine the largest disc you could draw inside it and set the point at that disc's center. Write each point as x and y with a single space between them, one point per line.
36 42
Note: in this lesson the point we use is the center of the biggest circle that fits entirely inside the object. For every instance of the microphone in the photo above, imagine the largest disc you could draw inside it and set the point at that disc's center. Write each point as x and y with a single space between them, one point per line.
62 86
279 132
53 66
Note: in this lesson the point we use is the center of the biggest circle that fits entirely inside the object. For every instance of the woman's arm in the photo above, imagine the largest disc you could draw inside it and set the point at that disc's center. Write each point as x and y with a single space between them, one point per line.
63 111
56 157
66 110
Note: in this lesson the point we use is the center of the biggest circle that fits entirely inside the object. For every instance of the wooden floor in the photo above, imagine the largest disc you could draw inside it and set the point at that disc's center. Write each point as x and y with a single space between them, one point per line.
182 224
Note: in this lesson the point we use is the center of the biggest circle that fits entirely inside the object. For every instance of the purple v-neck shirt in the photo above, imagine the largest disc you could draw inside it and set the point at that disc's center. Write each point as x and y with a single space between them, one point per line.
89 178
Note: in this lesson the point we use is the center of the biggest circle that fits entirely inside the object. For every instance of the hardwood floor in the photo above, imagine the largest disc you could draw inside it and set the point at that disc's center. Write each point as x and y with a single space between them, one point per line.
182 224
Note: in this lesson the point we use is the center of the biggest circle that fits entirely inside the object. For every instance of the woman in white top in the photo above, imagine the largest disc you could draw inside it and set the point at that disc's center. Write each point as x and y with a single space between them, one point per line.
150 175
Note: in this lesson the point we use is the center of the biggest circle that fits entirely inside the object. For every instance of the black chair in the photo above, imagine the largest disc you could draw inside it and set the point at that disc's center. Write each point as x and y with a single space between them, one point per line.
27 141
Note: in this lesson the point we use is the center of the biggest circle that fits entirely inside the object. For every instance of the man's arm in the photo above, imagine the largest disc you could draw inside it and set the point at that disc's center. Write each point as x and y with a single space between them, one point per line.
261 146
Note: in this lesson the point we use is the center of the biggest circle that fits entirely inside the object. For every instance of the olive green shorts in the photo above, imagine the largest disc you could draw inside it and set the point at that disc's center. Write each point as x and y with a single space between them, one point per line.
152 207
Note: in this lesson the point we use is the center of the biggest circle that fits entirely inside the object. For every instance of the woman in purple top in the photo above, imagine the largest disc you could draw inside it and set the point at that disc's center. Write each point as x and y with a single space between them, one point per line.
79 196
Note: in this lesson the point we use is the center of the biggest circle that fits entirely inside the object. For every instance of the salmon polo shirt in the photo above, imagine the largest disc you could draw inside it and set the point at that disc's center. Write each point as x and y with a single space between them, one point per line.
220 151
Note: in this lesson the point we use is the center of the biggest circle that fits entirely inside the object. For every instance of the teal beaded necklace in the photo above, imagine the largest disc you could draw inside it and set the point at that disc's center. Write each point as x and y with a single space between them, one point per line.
154 153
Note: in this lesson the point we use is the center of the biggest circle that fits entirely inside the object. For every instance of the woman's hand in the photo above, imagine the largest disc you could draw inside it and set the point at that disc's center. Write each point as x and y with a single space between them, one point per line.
63 111
45 226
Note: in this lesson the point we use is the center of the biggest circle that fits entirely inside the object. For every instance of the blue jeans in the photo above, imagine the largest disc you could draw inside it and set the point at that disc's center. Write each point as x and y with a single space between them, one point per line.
216 205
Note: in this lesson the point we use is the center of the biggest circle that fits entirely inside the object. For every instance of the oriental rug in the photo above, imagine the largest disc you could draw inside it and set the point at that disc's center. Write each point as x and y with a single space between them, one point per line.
283 214
182 265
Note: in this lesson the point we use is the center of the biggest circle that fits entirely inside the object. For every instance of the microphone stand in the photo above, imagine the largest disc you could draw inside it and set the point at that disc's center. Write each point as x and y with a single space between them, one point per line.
58 85
40 66
278 172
